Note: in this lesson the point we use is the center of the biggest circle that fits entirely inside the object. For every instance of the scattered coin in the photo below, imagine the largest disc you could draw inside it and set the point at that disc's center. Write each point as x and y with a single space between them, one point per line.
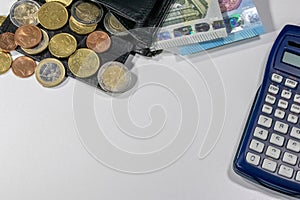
114 77
64 2
24 12
84 63
50 72
7 42
28 36
87 12
2 19
23 66
112 25
53 15
5 63
41 47
62 45
98 41
79 28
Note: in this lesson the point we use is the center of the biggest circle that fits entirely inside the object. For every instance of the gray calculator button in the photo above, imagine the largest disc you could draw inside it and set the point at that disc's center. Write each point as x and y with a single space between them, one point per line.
295 132
289 158
273 89
277 140
292 118
283 104
273 152
276 78
298 176
281 127
252 158
257 146
286 94
295 108
290 83
270 99
293 146
286 171
269 165
267 109
279 113
265 121
261 133
297 98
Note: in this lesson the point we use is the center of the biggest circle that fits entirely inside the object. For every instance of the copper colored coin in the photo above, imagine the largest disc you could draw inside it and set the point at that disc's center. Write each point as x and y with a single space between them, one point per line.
7 42
23 66
28 36
98 41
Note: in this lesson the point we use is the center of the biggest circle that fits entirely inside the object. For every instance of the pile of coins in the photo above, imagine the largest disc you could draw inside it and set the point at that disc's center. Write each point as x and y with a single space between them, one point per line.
83 62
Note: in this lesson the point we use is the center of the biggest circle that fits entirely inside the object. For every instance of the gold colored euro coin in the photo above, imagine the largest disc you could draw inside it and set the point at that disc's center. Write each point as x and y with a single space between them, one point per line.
87 12
2 19
84 63
62 45
53 15
5 63
64 2
50 72
79 28
41 47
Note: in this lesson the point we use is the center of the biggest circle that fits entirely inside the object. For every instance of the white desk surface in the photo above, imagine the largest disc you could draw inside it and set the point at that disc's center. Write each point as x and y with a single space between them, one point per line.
48 150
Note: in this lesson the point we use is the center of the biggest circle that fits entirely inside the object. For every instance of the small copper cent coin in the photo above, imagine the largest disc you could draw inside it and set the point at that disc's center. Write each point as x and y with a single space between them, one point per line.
7 42
23 67
98 41
28 36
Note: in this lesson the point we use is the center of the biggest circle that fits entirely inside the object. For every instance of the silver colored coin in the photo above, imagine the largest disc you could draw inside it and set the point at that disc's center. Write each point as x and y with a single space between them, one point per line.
24 12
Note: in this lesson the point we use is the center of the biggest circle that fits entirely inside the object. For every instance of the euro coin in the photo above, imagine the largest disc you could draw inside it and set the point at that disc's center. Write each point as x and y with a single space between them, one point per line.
114 77
28 36
5 63
7 42
84 63
24 12
53 15
41 47
2 19
62 45
98 41
113 25
79 28
87 12
23 67
50 72
64 2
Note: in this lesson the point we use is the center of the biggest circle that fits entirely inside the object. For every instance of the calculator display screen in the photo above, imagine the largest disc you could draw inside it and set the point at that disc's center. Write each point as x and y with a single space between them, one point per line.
292 59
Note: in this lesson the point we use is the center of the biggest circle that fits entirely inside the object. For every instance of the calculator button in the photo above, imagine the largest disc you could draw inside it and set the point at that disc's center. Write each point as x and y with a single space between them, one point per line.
293 146
265 121
289 158
270 99
267 109
298 176
279 114
277 140
261 133
273 152
273 89
295 133
276 78
269 165
283 104
286 94
295 108
290 83
281 127
257 146
297 98
292 118
252 158
285 171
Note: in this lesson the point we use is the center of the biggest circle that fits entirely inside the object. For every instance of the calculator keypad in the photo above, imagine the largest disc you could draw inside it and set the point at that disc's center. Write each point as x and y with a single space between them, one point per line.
275 145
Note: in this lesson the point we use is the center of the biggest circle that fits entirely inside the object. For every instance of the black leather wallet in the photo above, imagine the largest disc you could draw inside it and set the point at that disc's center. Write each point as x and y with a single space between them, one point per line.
141 17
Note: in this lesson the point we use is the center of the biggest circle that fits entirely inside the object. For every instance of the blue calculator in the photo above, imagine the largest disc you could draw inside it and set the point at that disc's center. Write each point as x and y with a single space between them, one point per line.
269 151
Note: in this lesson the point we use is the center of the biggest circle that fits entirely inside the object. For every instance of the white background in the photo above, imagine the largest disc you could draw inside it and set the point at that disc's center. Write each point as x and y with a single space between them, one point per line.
42 156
